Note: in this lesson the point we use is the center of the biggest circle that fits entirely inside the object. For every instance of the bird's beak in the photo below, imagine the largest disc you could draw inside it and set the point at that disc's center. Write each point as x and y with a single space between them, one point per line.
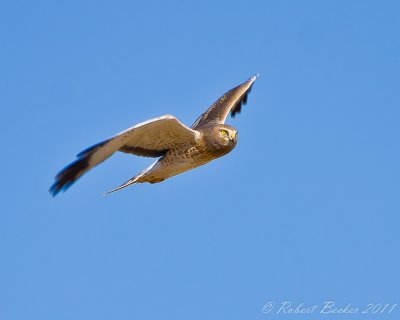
233 138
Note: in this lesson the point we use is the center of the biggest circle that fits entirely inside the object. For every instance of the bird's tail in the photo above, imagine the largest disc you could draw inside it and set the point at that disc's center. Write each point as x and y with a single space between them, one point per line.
127 183
135 179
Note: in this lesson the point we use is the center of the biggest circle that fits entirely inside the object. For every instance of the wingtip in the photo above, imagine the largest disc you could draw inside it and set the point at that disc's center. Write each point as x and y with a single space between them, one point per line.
253 78
53 191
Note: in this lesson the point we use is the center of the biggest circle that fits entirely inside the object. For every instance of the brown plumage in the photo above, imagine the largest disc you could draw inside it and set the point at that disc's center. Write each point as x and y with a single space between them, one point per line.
180 148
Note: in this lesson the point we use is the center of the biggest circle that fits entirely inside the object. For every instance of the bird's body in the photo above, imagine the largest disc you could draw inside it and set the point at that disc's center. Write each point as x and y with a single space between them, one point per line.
178 160
180 148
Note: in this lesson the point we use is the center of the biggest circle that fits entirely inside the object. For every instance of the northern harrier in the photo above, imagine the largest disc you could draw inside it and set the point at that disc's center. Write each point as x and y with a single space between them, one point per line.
180 148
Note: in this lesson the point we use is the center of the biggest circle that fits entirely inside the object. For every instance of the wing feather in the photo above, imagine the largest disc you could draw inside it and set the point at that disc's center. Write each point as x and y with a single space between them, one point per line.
230 102
151 138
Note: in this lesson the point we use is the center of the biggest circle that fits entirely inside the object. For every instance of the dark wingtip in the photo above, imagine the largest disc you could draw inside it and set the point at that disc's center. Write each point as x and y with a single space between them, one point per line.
238 107
67 176
243 99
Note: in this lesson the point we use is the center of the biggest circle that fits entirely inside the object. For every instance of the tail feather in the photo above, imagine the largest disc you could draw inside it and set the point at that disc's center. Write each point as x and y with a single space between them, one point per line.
124 185
137 178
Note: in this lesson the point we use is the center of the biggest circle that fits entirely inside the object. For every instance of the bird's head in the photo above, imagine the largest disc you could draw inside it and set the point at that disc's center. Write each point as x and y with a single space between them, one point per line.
219 139
226 135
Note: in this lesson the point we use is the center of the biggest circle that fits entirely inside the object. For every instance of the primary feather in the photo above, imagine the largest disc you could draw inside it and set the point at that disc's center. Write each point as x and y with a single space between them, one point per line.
181 148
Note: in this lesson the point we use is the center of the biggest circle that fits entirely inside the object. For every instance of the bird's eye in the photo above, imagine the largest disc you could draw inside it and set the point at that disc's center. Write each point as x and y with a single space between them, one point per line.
224 132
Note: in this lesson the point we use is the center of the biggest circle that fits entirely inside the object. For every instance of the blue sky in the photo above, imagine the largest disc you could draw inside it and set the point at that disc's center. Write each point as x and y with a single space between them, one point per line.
306 208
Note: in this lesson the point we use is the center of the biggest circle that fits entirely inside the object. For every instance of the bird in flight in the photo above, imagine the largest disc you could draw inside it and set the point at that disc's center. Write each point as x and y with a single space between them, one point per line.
178 147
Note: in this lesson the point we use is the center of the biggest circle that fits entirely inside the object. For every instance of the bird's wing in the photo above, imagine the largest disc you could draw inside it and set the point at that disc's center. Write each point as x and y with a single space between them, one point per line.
231 102
151 138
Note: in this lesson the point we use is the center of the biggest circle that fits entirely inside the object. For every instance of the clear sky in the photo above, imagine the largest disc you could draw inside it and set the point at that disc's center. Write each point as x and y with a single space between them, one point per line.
306 208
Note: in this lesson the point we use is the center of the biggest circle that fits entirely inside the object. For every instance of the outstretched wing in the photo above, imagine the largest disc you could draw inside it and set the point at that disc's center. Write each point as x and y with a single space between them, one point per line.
151 138
231 102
